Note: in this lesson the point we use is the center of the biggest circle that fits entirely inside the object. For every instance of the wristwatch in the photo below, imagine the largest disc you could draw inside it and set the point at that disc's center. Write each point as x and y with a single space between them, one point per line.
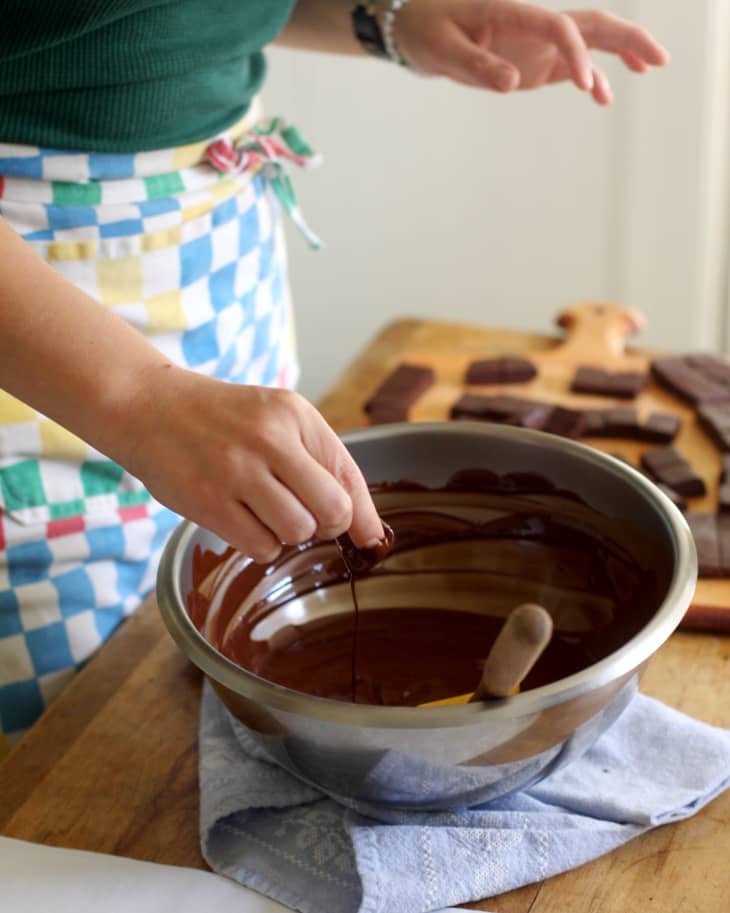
367 31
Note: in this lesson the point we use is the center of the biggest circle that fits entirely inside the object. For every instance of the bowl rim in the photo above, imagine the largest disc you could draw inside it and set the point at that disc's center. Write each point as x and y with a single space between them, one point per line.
612 668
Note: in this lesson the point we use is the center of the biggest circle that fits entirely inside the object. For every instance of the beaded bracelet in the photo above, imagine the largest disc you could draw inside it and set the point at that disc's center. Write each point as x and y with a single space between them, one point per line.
389 32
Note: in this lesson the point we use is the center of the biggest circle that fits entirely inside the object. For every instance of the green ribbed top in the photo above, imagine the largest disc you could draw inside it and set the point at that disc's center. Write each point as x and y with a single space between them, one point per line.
130 75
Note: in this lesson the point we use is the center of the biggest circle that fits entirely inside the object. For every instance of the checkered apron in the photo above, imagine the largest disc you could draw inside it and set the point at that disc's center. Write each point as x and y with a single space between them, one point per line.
186 245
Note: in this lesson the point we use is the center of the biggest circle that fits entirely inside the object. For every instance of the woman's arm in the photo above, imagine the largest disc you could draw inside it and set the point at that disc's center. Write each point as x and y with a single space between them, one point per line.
493 44
256 465
321 25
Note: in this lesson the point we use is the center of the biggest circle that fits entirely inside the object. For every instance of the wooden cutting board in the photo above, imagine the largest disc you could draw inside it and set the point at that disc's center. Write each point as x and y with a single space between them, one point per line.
596 334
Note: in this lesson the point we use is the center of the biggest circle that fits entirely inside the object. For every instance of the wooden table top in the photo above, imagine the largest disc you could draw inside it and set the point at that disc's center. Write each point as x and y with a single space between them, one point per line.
112 765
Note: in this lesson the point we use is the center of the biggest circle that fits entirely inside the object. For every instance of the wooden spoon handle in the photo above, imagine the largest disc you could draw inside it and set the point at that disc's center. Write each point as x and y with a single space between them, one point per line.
524 636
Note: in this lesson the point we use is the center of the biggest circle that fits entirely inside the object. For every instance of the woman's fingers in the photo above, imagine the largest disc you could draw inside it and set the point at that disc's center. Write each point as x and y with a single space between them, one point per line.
258 466
601 88
606 32
328 481
279 509
634 63
366 528
561 30
464 61
318 492
237 525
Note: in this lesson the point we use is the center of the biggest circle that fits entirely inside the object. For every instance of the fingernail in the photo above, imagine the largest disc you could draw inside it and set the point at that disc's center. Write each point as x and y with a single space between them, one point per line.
590 81
386 539
504 80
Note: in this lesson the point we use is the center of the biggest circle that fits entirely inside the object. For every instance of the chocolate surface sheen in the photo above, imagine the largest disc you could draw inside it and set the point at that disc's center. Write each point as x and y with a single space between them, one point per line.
431 605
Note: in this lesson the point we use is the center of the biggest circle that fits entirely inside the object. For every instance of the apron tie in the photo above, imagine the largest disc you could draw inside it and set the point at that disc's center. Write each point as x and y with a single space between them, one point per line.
266 147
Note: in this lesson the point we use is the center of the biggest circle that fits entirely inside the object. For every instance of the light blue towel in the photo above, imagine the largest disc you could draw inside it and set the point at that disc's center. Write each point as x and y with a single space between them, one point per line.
278 835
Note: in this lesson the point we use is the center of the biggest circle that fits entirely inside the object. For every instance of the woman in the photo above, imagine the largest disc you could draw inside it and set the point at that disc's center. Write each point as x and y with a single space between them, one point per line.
145 334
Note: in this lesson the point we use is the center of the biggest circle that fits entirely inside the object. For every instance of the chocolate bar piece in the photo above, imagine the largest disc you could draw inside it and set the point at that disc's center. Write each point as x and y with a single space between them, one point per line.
714 418
621 384
594 424
660 428
673 495
398 392
695 378
711 534
623 421
509 410
384 413
504 369
723 498
534 417
723 489
668 466
566 422
618 422
487 408
714 367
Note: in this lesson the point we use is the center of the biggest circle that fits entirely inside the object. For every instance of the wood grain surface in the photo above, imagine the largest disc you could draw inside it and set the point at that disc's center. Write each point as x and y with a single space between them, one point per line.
112 765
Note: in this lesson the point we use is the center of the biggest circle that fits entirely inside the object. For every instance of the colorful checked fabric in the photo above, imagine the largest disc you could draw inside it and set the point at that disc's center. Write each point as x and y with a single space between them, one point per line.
186 246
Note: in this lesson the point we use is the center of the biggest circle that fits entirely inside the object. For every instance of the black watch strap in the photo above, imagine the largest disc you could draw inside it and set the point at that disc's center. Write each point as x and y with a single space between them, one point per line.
367 30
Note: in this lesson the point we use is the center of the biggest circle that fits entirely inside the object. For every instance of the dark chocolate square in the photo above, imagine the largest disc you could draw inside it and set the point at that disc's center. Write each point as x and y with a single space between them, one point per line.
725 467
713 367
669 467
593 425
673 495
399 391
506 409
598 381
723 498
695 378
714 419
660 428
704 531
385 413
503 369
566 422
622 421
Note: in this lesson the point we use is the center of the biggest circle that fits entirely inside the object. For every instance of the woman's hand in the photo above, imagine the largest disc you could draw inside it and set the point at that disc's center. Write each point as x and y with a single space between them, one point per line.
258 466
506 44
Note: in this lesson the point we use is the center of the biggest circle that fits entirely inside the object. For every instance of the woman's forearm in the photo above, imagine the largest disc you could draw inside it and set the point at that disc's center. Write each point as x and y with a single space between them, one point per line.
258 466
66 355
321 25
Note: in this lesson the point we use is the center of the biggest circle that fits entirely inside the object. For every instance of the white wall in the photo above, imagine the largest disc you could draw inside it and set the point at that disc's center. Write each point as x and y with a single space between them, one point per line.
440 201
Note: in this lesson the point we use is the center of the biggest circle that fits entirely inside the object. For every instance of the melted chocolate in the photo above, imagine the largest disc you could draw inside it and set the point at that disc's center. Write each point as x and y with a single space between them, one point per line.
360 561
433 600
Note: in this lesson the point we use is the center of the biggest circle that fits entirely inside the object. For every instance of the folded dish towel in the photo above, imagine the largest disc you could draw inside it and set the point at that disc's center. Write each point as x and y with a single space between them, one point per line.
265 828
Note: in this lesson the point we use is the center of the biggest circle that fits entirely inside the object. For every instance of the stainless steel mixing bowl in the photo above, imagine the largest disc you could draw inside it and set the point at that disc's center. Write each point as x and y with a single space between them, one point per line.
460 755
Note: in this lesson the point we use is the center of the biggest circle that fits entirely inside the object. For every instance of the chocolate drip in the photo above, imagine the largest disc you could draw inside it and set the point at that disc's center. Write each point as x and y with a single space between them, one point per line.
361 561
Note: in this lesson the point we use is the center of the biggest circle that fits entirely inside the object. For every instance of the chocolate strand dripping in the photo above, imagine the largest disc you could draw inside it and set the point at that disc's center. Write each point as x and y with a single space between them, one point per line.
361 561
